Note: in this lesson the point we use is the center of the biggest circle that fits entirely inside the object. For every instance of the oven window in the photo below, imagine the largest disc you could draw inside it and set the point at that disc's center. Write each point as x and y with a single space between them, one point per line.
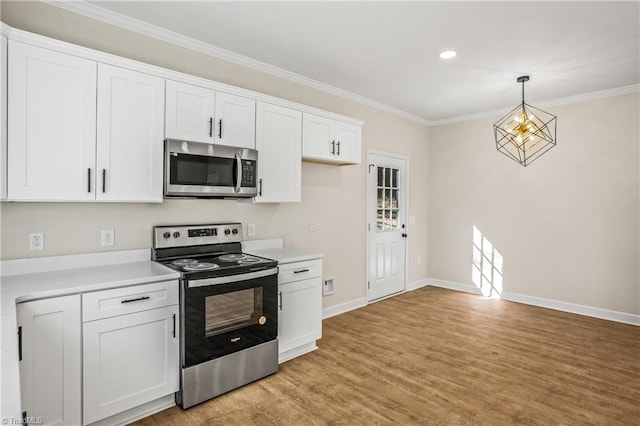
229 311
191 169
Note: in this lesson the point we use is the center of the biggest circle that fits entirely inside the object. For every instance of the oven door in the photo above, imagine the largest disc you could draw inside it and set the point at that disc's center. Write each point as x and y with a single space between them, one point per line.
194 169
228 314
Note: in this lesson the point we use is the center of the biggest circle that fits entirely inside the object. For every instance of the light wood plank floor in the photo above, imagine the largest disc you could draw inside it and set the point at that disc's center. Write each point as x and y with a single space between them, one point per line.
435 356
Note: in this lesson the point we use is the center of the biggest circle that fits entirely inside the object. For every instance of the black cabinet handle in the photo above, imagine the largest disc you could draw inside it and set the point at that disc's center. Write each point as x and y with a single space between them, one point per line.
104 180
137 299
20 343
174 326
89 180
333 147
338 147
260 187
280 304
300 271
220 129
211 127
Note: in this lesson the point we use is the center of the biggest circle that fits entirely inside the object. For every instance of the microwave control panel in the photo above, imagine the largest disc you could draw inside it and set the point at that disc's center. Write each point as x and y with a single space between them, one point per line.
249 173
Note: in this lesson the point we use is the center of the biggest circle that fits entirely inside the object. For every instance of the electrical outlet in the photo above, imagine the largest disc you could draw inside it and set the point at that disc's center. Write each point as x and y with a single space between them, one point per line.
36 241
108 238
313 226
251 230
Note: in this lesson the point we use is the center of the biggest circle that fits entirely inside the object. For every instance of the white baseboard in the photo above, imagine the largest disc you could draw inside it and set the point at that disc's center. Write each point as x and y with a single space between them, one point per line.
417 284
590 311
332 311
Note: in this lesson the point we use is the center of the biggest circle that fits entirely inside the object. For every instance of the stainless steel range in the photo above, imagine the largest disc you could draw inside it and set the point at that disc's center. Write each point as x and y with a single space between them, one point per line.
228 309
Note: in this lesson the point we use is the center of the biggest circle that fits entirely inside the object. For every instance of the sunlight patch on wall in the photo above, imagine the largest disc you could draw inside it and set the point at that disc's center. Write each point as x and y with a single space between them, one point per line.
486 270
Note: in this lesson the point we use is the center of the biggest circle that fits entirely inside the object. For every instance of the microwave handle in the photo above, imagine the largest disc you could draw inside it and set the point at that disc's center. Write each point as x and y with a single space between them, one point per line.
238 172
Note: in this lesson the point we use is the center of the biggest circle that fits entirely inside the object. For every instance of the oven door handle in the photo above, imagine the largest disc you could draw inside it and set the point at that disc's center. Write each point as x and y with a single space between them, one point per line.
238 172
231 278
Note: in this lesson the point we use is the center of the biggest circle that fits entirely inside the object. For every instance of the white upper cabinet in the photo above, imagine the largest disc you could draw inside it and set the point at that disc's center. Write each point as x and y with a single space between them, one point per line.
235 120
330 141
278 141
51 125
130 135
82 131
198 114
190 112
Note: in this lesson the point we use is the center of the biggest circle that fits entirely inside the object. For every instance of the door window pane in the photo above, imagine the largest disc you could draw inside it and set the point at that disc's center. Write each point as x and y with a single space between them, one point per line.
387 203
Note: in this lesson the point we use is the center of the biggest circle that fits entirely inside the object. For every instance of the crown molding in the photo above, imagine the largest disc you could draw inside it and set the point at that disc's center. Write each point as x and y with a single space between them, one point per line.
634 88
116 19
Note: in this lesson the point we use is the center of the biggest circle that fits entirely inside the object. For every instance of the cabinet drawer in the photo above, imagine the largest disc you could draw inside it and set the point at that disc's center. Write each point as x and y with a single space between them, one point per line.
297 271
126 300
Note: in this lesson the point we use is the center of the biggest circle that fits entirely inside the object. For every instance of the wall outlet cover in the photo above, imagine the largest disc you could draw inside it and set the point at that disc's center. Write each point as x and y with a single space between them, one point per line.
108 238
36 241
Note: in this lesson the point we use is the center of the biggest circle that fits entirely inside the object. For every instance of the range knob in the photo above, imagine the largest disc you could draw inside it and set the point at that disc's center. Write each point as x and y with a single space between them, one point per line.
227 232
235 231
167 234
176 234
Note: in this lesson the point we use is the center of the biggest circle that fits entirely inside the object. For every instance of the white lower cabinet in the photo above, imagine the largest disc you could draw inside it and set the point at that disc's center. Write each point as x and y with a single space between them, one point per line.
130 348
129 360
50 366
300 308
90 356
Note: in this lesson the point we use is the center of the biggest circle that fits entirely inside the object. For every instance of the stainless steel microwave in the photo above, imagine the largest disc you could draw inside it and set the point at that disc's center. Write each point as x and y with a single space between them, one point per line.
202 170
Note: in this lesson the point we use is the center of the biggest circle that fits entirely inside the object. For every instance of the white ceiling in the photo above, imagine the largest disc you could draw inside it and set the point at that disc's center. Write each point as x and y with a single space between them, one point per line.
388 51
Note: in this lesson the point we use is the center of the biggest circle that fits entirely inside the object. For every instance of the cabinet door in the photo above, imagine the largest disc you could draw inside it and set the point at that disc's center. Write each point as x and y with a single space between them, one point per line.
130 141
51 125
129 360
300 319
348 141
190 112
235 121
50 369
3 115
278 141
317 137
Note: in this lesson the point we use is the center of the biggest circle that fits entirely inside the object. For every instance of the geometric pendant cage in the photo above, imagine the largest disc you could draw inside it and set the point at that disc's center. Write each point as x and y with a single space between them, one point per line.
526 132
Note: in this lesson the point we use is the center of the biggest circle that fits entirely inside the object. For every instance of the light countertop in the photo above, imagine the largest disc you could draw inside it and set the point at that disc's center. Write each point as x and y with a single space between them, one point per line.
285 254
31 279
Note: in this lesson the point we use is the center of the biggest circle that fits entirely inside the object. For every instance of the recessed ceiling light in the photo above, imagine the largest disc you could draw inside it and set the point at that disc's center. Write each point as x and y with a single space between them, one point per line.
448 54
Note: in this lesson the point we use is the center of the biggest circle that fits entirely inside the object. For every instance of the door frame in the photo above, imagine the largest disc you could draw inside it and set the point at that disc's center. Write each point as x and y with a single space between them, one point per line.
368 224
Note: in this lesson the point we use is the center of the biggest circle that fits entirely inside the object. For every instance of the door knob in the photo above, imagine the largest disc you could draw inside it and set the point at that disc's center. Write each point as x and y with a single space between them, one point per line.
404 235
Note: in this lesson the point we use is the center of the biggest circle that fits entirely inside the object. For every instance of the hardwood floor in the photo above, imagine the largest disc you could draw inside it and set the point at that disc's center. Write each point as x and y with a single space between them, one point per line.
436 356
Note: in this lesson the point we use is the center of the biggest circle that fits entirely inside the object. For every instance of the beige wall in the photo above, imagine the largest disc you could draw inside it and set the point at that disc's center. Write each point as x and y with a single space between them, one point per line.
332 196
567 225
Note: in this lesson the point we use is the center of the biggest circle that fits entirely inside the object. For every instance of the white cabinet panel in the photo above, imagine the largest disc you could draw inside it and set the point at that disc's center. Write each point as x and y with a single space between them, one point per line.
235 120
189 112
50 368
51 125
129 360
317 139
129 135
330 141
3 117
348 141
300 319
278 141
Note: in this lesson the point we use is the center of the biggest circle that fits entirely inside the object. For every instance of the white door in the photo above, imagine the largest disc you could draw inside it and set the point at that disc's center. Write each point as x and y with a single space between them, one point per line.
235 121
190 112
129 360
50 368
129 136
279 143
386 212
51 125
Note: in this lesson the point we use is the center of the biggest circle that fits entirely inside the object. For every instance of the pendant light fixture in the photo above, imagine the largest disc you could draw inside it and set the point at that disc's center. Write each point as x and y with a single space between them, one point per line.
526 132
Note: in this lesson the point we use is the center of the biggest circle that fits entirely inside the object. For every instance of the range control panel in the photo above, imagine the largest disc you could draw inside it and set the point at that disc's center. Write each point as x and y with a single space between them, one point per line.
193 235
